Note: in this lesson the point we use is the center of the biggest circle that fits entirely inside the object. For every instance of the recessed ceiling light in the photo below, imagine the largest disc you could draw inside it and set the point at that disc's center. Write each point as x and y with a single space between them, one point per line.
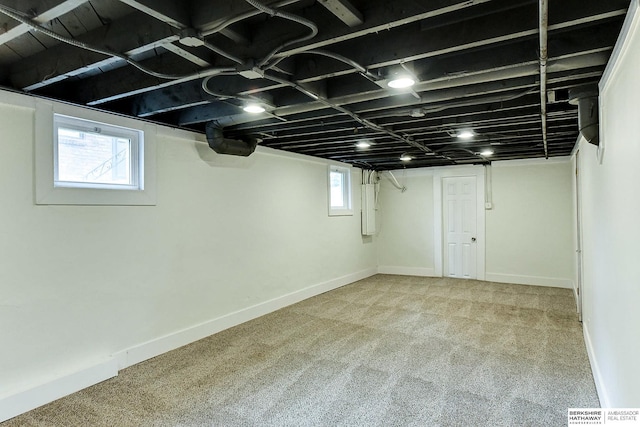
486 153
363 144
401 82
406 158
254 108
465 134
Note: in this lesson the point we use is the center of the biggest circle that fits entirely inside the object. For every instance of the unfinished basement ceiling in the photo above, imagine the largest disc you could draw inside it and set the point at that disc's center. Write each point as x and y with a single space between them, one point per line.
321 68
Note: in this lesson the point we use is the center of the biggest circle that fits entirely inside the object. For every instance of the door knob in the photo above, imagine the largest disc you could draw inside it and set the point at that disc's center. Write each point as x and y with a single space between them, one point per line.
473 239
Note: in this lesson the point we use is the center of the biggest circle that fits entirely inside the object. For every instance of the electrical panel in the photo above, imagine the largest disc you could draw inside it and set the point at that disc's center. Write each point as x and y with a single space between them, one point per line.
368 209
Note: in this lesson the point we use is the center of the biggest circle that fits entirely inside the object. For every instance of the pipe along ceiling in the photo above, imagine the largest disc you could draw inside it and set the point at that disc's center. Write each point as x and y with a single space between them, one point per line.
317 74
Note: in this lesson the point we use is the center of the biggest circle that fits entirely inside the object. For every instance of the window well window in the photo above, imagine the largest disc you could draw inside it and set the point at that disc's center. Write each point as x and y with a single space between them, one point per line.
339 191
95 155
87 157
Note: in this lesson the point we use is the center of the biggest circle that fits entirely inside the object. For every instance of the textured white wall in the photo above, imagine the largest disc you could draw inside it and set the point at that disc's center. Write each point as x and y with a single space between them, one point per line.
81 283
530 228
611 230
405 238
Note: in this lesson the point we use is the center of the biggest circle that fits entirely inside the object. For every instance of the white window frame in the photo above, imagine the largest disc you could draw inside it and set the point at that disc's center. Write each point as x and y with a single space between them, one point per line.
136 156
142 193
347 191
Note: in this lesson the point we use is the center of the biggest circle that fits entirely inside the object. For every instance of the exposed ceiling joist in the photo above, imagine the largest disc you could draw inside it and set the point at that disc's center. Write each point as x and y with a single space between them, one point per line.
210 20
446 68
426 45
172 47
47 11
166 11
440 90
135 34
345 11
474 63
384 16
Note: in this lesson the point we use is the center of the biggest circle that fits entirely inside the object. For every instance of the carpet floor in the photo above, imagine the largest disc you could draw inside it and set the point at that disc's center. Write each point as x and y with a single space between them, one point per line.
384 351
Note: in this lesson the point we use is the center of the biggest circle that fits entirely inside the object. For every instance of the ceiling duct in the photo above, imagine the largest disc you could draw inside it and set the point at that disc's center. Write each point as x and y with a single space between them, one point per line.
222 145
586 98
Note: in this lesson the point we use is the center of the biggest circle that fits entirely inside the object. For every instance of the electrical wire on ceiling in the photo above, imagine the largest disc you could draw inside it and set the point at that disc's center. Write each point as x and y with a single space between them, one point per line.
37 27
266 63
449 148
246 99
362 70
367 123
289 16
222 96
423 111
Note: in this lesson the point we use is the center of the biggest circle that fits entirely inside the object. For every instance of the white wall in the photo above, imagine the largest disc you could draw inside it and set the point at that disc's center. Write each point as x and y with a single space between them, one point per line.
405 236
611 230
530 228
80 284
528 231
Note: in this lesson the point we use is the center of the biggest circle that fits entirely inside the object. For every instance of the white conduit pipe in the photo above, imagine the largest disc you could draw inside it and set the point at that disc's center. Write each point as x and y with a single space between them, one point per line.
395 182
289 16
544 25
37 27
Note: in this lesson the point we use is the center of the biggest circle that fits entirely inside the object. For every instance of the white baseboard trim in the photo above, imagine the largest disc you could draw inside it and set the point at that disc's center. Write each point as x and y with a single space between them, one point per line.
33 397
553 282
406 271
169 342
605 401
41 394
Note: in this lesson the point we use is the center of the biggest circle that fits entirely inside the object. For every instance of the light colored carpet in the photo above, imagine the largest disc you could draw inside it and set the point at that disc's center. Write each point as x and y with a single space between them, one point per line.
385 351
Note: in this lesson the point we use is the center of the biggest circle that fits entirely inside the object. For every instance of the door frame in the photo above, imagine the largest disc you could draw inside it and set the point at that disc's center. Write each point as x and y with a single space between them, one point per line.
438 219
577 288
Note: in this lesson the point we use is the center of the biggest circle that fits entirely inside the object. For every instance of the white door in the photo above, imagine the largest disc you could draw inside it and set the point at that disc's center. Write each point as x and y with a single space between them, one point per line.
460 226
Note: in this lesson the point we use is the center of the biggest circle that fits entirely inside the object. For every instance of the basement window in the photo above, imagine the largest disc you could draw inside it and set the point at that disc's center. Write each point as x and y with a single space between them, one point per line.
92 158
339 179
96 155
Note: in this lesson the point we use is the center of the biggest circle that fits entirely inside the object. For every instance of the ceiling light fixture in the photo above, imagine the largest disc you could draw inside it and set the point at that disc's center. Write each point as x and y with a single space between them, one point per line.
401 82
465 134
363 144
254 108
486 153
417 112
406 158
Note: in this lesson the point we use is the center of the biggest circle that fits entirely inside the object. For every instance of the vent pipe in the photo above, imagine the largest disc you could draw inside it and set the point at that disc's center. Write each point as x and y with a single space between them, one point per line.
222 145
586 98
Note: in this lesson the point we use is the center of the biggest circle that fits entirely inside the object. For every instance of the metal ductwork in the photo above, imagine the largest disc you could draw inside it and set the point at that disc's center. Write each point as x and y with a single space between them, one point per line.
586 98
233 147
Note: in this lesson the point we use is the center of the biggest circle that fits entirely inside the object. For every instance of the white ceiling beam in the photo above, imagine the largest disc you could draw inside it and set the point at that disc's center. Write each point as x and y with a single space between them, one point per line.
170 12
185 54
51 14
345 11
